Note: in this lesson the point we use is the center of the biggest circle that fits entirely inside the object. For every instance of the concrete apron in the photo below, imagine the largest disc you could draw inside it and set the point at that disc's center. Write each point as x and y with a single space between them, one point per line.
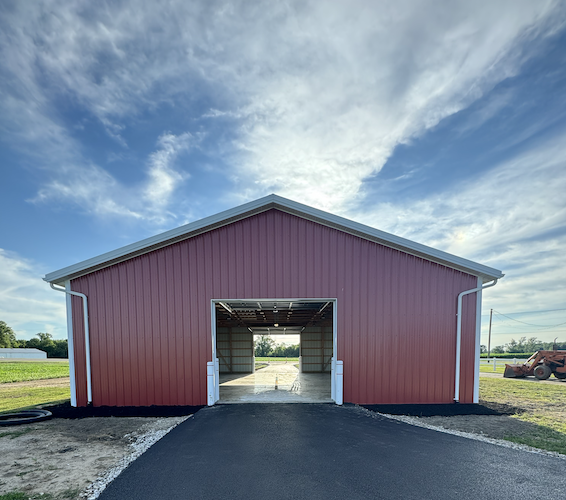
276 383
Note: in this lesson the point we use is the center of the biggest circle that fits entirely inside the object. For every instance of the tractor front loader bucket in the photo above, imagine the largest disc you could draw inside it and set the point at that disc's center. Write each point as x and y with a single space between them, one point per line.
514 371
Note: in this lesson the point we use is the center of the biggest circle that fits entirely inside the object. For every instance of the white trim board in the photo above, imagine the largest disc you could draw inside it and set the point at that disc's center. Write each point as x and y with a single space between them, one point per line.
261 205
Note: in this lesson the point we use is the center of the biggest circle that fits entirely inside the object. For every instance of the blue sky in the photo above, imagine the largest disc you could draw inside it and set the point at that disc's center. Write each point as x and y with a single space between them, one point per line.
442 122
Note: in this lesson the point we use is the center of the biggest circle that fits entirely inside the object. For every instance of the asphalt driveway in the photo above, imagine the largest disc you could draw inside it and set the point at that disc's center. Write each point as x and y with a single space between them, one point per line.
321 451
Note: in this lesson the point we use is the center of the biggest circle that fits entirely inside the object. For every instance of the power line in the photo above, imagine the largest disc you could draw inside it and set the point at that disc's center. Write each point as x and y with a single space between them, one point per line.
531 324
526 312
534 312
523 334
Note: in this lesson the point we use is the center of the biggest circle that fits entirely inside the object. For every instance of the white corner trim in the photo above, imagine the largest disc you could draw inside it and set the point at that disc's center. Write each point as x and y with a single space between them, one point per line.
71 344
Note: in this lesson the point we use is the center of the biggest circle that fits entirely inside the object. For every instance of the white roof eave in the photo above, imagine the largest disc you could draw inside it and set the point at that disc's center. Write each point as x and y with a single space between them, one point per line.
261 205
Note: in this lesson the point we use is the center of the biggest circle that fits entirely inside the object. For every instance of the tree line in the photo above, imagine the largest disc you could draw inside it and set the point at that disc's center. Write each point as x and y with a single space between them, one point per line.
265 347
44 341
524 346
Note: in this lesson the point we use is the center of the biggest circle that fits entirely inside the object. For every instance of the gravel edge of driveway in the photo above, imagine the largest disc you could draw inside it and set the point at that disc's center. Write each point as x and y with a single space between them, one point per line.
142 443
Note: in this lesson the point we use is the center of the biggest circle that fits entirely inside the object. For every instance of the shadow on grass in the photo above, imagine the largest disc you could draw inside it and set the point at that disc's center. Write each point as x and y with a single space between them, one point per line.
539 436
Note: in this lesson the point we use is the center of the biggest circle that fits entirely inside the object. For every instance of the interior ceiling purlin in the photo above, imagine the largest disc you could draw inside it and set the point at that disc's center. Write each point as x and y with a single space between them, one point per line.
261 317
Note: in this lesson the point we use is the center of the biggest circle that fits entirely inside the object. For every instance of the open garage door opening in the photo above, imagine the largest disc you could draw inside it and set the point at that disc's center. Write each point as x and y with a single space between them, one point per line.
308 322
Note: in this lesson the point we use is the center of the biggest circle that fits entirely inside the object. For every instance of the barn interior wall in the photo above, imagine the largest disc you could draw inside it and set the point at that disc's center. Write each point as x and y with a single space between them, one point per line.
235 350
316 349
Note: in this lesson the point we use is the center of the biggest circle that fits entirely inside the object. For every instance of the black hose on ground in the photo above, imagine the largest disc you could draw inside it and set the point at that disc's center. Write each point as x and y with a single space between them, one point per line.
24 417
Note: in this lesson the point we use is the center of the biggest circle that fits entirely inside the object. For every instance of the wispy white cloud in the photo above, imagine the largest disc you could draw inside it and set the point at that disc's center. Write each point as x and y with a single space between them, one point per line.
90 188
318 94
351 90
95 190
163 178
27 304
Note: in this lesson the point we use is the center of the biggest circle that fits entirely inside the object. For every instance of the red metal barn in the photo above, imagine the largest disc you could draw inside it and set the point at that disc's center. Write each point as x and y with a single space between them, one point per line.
392 315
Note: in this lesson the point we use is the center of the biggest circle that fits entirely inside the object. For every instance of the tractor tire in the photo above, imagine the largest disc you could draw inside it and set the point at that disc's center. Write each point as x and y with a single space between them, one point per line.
560 376
542 372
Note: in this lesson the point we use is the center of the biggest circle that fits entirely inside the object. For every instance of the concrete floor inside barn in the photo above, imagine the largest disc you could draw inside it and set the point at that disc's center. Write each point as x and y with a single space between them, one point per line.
260 387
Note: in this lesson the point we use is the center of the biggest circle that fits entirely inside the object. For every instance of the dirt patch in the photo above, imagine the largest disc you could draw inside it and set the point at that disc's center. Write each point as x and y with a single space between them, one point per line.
493 426
62 457
50 382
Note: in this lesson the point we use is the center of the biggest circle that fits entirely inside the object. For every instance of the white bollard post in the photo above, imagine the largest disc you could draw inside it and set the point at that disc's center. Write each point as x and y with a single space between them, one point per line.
217 380
210 383
339 382
333 379
494 364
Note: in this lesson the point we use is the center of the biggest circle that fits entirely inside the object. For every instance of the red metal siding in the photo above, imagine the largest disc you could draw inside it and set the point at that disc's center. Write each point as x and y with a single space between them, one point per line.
150 316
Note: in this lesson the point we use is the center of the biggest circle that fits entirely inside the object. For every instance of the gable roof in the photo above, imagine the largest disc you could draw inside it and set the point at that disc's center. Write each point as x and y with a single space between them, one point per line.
262 205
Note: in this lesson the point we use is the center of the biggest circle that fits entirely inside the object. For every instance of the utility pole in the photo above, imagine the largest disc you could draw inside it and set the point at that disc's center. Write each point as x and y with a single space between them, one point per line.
489 335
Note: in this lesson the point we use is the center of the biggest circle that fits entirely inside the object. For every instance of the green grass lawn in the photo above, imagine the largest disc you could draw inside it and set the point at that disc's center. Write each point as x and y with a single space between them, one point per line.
20 371
18 495
544 406
20 398
499 368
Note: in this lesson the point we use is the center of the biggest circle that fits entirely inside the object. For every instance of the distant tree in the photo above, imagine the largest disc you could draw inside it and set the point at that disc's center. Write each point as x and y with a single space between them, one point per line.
524 346
292 351
514 346
483 349
53 348
533 345
549 346
7 336
61 349
264 346
278 351
285 351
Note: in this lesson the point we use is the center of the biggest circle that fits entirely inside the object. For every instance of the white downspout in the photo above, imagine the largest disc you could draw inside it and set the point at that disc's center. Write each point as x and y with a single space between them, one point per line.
459 335
70 345
87 337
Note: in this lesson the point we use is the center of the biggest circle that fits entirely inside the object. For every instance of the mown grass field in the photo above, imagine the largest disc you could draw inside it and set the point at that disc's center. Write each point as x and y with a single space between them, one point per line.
543 405
28 396
20 398
499 368
21 371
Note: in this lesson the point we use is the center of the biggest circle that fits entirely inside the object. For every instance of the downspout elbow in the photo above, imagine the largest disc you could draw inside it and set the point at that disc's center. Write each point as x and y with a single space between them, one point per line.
459 334
87 336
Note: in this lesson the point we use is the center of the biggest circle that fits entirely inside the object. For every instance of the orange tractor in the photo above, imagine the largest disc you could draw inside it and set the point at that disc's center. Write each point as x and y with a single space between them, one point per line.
541 364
